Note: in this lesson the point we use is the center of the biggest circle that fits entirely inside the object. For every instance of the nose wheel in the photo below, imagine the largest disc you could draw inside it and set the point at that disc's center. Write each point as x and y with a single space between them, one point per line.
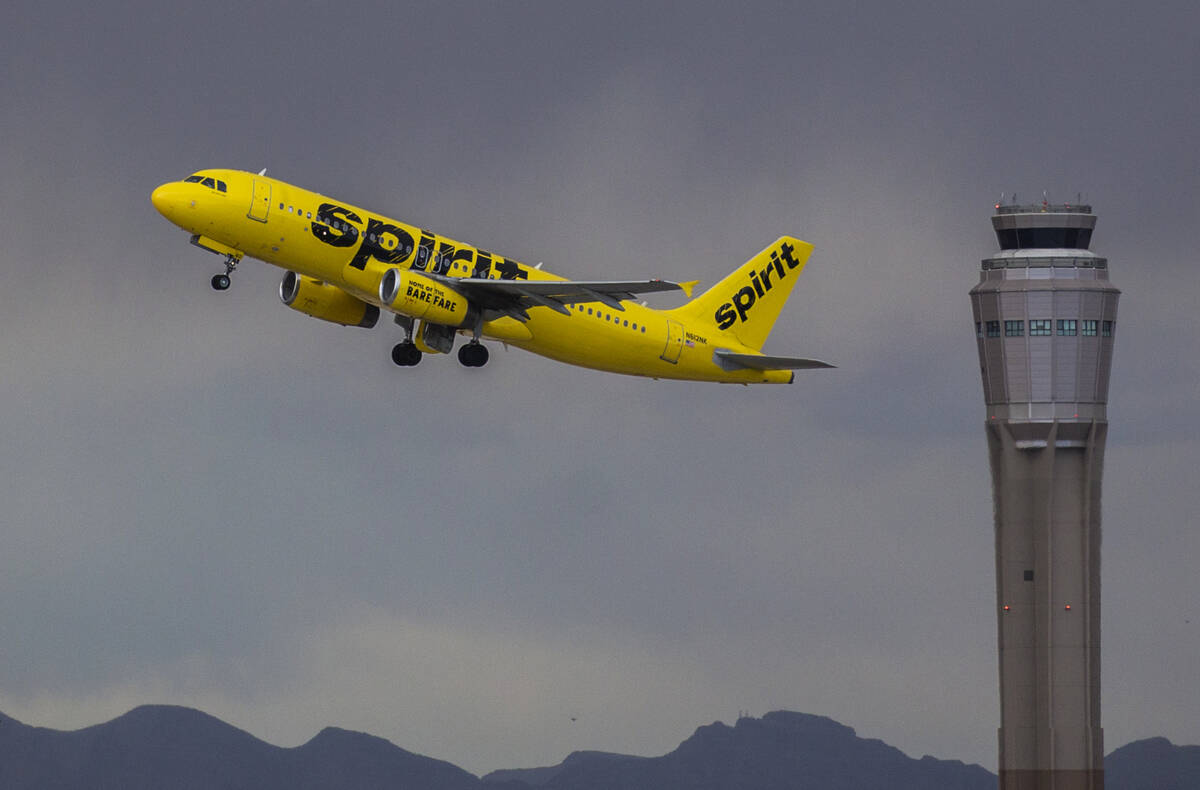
473 354
221 282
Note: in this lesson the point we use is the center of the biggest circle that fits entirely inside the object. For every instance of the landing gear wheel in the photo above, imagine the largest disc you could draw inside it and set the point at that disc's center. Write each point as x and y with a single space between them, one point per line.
406 354
473 355
220 282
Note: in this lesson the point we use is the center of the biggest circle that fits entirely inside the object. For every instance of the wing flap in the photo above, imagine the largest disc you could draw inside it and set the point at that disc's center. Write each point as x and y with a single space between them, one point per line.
565 291
513 297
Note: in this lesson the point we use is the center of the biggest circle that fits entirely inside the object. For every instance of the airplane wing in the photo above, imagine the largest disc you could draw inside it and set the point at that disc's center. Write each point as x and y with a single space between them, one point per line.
514 297
729 360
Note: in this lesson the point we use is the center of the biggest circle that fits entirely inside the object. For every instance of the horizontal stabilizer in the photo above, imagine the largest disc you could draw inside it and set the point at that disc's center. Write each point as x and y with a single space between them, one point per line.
729 360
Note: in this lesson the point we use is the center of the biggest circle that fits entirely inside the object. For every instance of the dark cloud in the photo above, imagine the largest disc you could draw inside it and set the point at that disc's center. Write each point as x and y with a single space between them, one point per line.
211 500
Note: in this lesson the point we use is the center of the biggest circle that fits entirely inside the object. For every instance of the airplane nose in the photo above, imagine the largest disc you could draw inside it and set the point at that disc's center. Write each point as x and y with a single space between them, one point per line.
159 198
166 199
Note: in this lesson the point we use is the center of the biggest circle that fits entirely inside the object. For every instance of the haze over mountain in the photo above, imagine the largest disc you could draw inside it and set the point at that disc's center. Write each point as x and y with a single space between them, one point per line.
166 746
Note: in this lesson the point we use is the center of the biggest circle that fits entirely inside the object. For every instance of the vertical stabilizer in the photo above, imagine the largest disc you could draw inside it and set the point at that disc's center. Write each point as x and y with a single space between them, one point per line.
745 304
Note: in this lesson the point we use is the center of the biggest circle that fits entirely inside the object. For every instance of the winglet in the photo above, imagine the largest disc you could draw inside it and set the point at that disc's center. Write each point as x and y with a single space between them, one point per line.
688 286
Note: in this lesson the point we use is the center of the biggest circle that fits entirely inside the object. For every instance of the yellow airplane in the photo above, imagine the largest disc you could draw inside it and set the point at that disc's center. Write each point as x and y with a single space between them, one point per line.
346 264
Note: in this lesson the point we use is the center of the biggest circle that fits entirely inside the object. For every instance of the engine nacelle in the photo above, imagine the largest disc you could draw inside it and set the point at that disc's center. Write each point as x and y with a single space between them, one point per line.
421 297
325 301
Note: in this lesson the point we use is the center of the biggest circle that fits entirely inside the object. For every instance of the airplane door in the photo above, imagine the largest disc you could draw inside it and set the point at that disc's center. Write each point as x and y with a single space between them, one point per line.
674 341
260 204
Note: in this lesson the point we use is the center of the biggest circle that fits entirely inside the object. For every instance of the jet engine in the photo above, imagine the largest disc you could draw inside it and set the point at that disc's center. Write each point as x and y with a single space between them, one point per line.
419 296
327 302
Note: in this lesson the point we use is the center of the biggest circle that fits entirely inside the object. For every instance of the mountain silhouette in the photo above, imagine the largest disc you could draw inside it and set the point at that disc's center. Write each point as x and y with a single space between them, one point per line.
780 750
1153 764
160 746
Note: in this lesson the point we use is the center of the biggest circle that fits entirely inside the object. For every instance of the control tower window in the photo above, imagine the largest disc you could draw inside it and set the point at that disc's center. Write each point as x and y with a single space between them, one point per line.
1089 328
1039 327
1066 327
1108 328
993 329
1014 328
1044 238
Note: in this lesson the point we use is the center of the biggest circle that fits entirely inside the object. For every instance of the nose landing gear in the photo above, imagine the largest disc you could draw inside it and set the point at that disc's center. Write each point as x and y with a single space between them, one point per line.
220 282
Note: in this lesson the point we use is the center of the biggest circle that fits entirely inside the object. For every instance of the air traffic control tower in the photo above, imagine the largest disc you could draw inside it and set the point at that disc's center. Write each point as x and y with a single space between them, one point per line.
1045 317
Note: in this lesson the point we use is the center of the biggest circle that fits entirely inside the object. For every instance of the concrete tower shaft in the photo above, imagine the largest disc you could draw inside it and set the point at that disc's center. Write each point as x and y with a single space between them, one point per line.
1045 318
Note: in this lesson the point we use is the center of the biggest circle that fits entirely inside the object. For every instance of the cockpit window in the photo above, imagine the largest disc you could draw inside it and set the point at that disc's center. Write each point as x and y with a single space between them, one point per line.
208 181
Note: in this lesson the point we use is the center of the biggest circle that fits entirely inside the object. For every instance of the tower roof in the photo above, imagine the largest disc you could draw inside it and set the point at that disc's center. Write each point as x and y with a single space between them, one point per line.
1044 208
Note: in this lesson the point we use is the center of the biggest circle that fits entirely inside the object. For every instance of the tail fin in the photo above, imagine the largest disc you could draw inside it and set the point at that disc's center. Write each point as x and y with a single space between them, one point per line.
746 303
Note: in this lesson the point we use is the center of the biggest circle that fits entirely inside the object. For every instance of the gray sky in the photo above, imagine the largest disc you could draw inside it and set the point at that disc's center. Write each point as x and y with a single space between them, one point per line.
213 501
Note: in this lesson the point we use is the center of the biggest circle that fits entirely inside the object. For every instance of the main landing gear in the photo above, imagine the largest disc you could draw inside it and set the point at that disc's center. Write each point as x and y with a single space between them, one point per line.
473 354
406 354
220 282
